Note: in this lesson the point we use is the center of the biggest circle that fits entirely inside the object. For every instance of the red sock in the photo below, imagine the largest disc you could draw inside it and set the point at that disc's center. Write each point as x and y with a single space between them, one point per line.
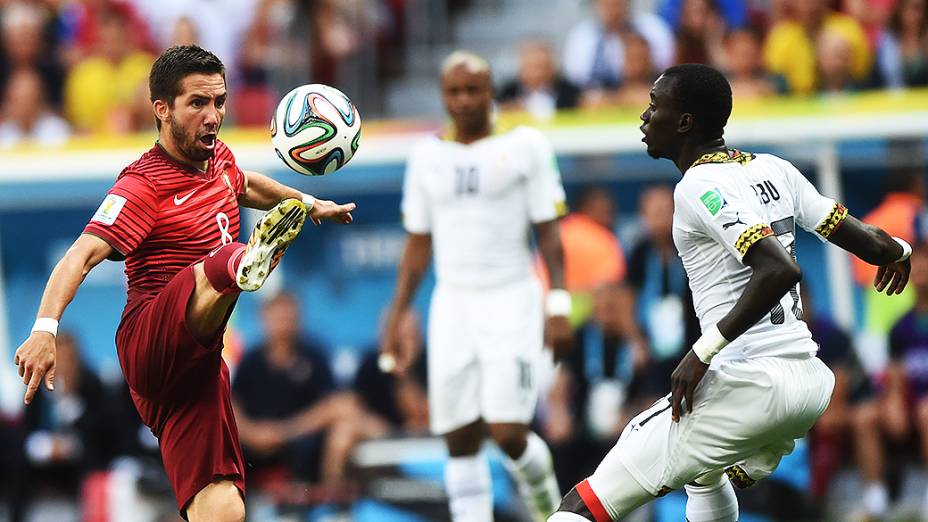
221 265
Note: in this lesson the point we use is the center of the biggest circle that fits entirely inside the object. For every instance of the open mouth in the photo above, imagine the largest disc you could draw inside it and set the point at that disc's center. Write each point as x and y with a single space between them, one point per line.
208 140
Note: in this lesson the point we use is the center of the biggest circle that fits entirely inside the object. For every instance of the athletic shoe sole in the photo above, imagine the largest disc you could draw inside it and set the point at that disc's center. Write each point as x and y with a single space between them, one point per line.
269 240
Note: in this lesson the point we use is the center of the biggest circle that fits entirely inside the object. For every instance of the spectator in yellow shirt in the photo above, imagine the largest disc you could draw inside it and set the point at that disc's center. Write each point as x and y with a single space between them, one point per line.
101 88
790 47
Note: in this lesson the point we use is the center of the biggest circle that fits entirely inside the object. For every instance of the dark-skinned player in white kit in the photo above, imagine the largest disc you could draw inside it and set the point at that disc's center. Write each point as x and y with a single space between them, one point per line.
751 384
476 196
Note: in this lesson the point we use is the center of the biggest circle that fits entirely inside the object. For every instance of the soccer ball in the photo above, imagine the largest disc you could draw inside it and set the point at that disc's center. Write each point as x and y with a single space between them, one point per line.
315 129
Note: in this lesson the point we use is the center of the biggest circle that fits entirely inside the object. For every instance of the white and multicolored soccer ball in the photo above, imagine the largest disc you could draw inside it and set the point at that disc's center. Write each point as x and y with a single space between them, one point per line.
315 129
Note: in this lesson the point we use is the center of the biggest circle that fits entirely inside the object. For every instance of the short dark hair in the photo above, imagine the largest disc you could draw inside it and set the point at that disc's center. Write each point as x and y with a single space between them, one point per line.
703 92
175 64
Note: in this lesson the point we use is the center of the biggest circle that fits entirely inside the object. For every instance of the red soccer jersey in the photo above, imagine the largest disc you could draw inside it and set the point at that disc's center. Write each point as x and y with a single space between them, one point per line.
162 216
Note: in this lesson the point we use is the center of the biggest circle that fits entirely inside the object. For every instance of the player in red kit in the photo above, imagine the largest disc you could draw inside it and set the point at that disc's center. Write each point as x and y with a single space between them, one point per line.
173 215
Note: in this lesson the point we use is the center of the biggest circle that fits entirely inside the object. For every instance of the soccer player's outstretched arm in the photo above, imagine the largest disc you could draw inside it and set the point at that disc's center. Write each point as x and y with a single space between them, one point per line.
35 358
873 245
262 192
831 221
416 257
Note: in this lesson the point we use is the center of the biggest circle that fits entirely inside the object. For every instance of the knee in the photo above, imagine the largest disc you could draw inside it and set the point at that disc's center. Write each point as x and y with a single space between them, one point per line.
511 439
219 502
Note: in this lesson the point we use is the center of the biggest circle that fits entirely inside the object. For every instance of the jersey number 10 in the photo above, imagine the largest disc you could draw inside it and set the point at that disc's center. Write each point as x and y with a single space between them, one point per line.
466 181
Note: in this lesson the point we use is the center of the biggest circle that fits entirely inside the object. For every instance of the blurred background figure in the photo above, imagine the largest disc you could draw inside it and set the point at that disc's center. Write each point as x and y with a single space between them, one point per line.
539 88
83 27
587 405
735 13
67 433
843 433
903 46
185 32
104 84
594 55
592 253
745 72
661 303
25 115
790 49
217 25
898 212
834 63
292 421
894 428
636 84
29 42
700 33
398 400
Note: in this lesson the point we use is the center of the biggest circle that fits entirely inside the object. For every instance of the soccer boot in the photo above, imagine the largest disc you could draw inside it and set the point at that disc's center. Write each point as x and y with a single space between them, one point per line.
269 240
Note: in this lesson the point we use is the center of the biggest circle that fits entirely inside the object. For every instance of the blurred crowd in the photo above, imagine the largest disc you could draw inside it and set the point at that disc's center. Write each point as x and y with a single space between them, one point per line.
765 47
74 67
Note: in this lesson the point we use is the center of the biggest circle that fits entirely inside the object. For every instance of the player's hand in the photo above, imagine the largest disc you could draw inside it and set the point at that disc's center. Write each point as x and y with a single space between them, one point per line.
683 382
892 277
395 356
329 210
35 360
559 336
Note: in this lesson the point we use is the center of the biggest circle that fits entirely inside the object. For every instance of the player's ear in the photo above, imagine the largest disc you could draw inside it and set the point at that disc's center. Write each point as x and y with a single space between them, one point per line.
162 110
686 123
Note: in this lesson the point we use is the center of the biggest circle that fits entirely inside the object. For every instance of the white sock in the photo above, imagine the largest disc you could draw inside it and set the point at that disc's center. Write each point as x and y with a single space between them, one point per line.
713 503
534 472
467 480
876 499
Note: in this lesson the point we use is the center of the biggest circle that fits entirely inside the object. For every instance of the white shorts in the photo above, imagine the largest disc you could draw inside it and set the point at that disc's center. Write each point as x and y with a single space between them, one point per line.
484 353
746 412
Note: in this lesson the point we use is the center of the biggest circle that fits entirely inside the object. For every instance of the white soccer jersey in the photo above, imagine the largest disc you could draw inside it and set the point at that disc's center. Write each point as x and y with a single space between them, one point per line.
724 204
478 202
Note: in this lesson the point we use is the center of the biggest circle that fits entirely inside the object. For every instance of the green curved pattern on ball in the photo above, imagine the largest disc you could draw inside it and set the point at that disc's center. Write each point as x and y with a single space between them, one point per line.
356 142
306 120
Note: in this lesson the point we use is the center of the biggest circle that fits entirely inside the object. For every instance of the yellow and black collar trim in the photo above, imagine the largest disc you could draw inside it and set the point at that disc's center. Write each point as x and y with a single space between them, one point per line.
752 235
832 221
723 156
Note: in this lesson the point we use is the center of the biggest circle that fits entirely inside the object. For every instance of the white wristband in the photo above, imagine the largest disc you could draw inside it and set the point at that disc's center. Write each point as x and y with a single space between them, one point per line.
309 201
558 303
46 324
711 343
906 249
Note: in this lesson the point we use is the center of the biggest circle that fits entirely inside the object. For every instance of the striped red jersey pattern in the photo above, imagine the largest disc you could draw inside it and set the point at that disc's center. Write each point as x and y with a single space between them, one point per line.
162 216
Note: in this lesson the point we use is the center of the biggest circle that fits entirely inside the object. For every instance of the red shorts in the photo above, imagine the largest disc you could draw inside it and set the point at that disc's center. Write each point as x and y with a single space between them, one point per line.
181 390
